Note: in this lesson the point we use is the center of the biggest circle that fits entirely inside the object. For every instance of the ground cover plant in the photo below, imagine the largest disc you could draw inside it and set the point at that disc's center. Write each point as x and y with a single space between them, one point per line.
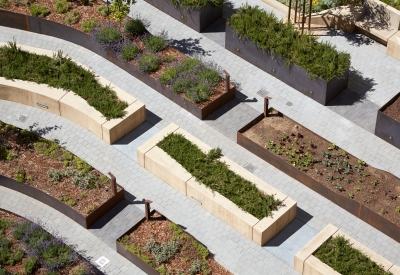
328 164
319 59
45 165
320 5
26 248
60 72
394 3
339 254
170 250
216 175
196 4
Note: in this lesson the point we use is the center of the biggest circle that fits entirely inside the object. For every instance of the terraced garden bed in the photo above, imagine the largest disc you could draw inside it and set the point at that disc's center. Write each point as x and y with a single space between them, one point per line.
368 193
26 248
387 125
199 89
159 246
45 171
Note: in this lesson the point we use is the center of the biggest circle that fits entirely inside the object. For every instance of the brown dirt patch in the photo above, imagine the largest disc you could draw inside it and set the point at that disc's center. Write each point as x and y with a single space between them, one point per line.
36 167
374 188
393 110
157 228
15 244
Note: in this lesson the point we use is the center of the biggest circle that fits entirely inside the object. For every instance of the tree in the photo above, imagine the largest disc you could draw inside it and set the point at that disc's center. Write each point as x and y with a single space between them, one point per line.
120 9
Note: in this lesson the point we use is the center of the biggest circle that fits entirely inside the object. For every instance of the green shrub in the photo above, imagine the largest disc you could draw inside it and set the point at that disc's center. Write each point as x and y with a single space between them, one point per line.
164 252
149 63
22 2
27 137
162 270
60 72
135 27
62 6
155 43
71 17
38 10
4 224
196 267
135 250
82 165
79 270
84 180
275 37
216 175
196 4
168 58
129 51
90 24
20 175
341 256
4 153
169 75
4 3
203 251
31 265
108 34
103 10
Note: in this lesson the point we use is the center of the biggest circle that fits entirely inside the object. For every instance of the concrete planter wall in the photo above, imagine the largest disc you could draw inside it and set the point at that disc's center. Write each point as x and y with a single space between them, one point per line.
74 108
354 207
388 128
47 27
306 263
197 19
163 166
41 196
295 76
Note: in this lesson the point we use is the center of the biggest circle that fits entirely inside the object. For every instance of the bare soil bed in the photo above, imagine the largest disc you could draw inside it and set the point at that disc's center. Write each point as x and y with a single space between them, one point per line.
161 231
89 11
393 110
23 162
79 264
328 164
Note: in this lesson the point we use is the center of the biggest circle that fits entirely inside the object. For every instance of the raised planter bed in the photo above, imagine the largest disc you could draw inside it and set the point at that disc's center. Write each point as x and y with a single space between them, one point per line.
162 231
47 27
306 263
387 125
197 19
158 162
295 76
370 196
38 168
18 233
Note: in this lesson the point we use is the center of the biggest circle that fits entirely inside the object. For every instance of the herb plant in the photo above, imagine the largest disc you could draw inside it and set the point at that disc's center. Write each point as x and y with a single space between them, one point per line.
90 24
71 18
135 27
38 10
129 51
62 6
149 63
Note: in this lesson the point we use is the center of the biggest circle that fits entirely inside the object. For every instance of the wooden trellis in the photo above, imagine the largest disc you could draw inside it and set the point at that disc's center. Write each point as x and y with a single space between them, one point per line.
300 9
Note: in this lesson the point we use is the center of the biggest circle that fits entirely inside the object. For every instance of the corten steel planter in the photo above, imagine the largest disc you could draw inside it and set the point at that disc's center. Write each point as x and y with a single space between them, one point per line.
41 196
197 19
388 128
357 209
47 27
293 75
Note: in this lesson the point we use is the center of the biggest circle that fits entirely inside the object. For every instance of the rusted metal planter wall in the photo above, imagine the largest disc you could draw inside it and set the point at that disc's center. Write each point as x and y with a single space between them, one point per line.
41 196
352 206
197 19
388 128
293 75
47 27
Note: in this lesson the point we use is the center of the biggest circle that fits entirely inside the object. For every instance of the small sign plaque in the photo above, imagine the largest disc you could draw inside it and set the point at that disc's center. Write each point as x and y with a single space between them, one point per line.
42 105
22 118
102 261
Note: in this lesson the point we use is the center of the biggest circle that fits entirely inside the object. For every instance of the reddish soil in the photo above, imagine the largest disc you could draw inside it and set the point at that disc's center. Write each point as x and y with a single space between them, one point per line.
393 110
36 167
157 228
18 268
89 11
374 188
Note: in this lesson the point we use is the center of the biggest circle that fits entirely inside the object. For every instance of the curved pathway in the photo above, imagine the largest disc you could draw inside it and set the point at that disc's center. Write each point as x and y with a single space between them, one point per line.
230 248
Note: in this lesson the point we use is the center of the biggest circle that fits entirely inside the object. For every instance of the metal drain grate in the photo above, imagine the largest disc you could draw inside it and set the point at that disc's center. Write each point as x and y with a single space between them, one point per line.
250 167
22 118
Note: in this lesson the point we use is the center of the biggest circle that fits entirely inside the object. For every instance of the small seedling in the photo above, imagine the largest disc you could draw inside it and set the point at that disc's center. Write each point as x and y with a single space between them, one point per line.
351 195
339 187
361 162
332 146
374 182
383 211
398 209
357 188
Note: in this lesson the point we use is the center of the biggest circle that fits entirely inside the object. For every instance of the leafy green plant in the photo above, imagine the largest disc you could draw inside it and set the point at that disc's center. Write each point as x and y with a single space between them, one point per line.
84 180
398 209
216 175
196 4
343 258
4 3
38 10
120 9
60 72
31 265
135 27
203 251
164 252
103 10
279 38
155 43
90 209
90 24
82 165
149 63
22 2
135 250
72 17
196 267
62 6
168 58
129 51
20 175
108 34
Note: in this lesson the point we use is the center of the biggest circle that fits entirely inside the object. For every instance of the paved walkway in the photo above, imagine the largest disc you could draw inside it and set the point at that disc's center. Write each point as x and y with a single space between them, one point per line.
231 249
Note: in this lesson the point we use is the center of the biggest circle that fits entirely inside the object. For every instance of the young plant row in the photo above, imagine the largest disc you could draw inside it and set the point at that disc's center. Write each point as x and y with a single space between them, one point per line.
215 174
60 72
319 59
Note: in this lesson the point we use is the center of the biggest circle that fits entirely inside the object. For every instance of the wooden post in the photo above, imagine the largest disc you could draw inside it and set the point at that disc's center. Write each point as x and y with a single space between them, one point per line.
266 103
304 17
113 183
295 11
290 10
147 208
309 16
227 80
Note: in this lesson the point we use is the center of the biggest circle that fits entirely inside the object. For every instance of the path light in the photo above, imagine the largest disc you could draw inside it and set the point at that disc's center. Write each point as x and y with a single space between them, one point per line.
147 208
266 102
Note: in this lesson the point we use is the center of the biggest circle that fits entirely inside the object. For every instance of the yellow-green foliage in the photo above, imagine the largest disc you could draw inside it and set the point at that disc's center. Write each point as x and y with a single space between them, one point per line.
135 250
